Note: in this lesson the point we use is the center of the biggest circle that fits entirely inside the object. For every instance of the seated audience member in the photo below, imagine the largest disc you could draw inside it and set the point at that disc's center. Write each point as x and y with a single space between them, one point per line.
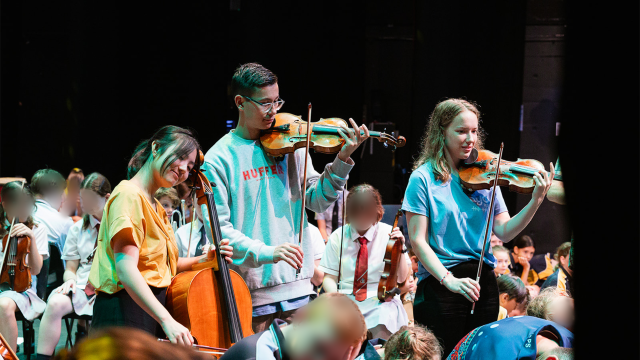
520 337
495 241
501 254
126 343
521 307
192 239
168 198
330 327
414 262
562 277
48 188
183 194
71 205
318 250
512 292
532 269
17 205
76 295
555 305
408 343
363 249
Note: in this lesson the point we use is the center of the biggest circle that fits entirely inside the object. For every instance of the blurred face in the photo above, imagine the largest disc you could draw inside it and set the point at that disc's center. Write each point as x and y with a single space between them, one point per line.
461 136
92 203
20 208
561 311
495 241
175 173
255 115
502 262
167 204
526 252
315 341
409 286
363 212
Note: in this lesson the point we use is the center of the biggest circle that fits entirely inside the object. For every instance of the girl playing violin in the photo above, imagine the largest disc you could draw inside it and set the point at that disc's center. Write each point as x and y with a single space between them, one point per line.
363 249
18 203
75 294
137 255
447 226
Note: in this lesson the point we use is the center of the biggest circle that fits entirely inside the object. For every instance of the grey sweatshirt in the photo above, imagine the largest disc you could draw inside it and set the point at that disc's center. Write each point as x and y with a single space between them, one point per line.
258 199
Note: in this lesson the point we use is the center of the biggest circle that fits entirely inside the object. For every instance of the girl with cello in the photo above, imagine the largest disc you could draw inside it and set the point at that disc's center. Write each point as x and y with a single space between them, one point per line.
363 251
137 255
447 226
17 209
75 294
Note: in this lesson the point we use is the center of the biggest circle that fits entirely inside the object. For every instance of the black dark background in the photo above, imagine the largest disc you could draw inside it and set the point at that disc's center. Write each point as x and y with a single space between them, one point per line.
83 82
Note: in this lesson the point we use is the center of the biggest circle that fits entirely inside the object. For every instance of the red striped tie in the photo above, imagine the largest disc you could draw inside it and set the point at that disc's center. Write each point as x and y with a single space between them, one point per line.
362 266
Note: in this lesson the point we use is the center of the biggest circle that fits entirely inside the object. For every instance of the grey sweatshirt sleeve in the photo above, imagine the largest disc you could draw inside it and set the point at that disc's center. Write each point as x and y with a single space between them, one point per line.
246 251
322 189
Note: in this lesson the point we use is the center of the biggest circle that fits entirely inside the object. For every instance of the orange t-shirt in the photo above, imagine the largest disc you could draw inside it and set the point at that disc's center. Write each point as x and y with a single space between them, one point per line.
128 208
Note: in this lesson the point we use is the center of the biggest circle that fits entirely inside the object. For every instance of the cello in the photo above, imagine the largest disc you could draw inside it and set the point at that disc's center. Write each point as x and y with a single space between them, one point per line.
213 302
388 285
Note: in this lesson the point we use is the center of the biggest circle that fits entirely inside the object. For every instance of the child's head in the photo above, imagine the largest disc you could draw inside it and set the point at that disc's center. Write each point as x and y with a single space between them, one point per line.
94 193
364 207
168 198
415 342
184 192
512 292
16 203
524 247
495 241
414 261
562 254
501 254
49 185
555 305
409 285
326 328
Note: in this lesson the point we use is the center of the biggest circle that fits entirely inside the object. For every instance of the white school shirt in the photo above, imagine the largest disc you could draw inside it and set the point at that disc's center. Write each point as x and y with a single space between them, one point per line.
79 246
318 242
377 237
57 224
182 237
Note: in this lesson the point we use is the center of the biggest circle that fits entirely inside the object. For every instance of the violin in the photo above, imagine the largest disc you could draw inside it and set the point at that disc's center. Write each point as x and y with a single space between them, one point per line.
213 302
6 352
389 278
289 133
15 273
479 171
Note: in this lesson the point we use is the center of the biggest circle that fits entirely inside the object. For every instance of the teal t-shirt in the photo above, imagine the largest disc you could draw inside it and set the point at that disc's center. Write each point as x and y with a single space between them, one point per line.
456 218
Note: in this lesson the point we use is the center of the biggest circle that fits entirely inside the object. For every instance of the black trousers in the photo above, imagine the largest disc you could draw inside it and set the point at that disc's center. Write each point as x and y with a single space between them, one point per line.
120 309
448 314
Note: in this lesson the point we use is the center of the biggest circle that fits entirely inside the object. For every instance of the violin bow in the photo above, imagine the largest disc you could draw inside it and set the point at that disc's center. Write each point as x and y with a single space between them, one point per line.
13 221
489 216
304 183
344 216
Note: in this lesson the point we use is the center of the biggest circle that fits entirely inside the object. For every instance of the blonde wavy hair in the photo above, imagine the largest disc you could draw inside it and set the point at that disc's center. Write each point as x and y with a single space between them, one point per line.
433 140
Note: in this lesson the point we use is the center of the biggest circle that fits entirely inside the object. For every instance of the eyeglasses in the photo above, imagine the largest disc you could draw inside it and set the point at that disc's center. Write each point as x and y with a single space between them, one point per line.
266 107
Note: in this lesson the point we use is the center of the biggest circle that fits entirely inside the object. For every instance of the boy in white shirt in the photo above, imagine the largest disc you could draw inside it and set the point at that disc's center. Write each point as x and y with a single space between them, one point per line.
363 249
195 233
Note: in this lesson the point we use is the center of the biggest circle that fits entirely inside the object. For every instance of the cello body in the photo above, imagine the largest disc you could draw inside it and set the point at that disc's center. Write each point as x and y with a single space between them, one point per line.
192 300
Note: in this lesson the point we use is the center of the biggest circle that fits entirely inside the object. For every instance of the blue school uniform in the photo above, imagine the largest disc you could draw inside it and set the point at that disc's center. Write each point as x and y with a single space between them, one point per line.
511 338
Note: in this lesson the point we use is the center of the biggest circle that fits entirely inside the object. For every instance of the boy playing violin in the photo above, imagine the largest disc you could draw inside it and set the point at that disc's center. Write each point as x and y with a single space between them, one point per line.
258 198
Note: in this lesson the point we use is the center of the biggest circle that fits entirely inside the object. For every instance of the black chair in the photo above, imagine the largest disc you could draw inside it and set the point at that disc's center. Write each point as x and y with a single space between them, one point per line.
69 321
55 271
28 333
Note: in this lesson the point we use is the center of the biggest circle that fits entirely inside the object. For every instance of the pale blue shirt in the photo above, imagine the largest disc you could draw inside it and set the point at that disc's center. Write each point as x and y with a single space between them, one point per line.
456 219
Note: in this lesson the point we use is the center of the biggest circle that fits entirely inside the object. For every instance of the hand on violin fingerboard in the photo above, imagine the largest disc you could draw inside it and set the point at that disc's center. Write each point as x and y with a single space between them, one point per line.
353 139
543 183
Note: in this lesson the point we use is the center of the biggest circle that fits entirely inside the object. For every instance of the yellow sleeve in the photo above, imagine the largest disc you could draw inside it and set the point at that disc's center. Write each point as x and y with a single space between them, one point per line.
124 222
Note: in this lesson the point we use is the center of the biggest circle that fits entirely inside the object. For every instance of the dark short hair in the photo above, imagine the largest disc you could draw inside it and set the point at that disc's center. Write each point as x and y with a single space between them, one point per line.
46 180
248 77
523 242
563 250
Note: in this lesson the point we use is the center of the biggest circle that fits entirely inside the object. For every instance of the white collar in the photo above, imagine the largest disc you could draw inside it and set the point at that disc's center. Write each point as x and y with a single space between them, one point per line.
370 235
93 221
44 202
